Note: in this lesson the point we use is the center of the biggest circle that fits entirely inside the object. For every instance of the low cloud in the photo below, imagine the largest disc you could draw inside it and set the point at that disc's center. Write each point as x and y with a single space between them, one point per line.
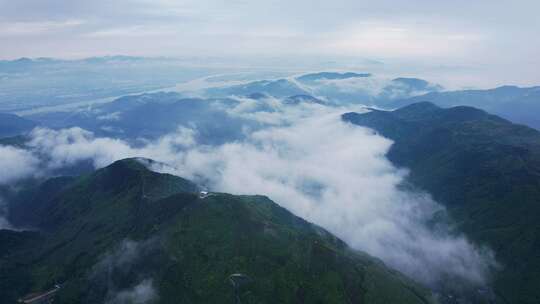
371 86
4 223
329 172
122 264
66 147
142 293
16 164
367 89
110 116
122 257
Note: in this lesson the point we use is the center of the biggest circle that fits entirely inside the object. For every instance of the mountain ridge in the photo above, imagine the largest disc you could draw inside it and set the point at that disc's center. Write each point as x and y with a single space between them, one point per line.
518 104
484 169
13 125
105 235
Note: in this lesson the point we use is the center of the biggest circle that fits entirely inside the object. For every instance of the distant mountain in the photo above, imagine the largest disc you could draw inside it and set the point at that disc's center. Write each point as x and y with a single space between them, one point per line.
29 84
337 88
25 61
417 84
485 170
257 96
117 58
520 105
364 88
308 78
279 88
125 231
410 87
153 115
298 99
13 125
25 64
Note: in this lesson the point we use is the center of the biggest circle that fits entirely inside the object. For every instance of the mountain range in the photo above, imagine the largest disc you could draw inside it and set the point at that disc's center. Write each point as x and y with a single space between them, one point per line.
125 230
485 170
520 105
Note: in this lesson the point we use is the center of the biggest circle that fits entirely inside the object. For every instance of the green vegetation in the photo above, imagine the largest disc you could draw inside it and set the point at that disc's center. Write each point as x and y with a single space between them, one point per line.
485 170
104 233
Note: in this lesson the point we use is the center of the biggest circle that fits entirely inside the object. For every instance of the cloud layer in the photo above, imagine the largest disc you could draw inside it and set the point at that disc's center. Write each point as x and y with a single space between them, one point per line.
447 36
337 176
4 223
16 164
123 263
142 293
320 168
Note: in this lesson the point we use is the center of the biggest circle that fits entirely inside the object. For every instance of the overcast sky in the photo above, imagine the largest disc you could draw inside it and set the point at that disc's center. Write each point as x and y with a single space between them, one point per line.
494 36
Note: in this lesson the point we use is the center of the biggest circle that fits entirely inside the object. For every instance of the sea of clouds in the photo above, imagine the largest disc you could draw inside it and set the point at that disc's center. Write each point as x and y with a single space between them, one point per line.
309 161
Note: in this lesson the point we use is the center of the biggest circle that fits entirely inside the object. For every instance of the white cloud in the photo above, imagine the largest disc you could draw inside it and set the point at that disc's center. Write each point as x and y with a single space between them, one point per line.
17 29
4 223
110 116
417 32
142 293
124 260
66 147
69 146
320 168
16 164
337 176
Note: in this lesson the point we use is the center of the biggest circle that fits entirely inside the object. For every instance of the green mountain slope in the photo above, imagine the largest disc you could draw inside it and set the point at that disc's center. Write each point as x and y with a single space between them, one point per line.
125 232
486 170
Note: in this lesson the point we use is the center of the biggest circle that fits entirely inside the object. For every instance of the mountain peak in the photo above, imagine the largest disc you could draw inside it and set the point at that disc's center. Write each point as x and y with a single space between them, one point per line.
143 229
429 112
136 171
134 163
419 106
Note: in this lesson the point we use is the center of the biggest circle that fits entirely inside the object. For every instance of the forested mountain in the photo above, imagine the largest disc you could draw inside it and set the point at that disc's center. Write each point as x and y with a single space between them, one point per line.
485 170
125 232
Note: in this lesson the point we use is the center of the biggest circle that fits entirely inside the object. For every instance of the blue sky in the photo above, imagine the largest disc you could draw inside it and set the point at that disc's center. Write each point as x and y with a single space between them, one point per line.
491 36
